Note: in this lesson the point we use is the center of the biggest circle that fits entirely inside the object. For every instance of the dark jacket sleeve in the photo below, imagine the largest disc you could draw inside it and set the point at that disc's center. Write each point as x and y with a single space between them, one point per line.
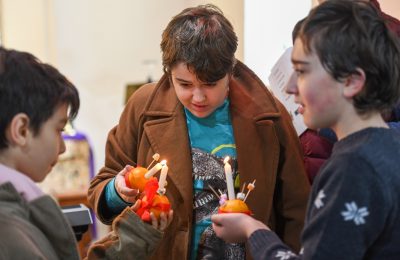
395 125
266 244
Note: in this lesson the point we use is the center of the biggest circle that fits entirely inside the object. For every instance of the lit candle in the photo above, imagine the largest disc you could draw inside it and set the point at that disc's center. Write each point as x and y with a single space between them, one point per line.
154 170
229 179
163 176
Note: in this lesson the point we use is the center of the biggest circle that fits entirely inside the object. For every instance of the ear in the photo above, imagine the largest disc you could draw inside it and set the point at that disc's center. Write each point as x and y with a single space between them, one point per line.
19 130
354 83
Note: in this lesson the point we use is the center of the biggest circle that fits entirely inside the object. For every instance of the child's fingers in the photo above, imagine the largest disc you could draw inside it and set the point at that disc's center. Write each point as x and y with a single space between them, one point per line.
128 191
125 170
170 217
163 221
127 194
136 206
154 221
216 220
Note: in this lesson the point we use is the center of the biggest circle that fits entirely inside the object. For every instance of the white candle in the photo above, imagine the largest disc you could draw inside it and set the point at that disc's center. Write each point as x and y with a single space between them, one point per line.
163 176
229 179
153 170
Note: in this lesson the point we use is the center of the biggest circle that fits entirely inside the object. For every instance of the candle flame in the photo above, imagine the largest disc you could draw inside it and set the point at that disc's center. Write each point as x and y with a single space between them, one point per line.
163 162
226 159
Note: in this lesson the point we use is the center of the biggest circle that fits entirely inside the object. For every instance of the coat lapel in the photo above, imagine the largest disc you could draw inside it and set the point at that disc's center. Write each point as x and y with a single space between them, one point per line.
252 121
168 135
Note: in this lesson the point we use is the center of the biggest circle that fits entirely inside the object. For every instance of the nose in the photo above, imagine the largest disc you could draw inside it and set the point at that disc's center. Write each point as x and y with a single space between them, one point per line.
198 95
62 145
291 86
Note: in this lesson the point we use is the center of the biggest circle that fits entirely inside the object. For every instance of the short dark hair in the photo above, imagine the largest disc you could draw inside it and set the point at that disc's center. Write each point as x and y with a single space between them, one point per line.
296 29
347 35
29 86
203 39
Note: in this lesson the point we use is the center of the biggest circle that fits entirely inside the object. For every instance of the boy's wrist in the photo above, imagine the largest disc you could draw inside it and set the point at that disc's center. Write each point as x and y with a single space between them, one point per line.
254 225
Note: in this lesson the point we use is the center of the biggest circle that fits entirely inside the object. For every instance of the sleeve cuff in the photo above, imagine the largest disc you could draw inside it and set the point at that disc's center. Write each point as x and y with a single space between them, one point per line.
265 244
114 202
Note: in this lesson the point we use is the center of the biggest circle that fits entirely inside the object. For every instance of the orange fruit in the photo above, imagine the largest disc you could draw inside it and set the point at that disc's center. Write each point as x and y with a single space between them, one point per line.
135 179
160 204
234 206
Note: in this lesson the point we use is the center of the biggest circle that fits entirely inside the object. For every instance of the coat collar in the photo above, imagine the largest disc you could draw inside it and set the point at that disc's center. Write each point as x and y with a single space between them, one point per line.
245 90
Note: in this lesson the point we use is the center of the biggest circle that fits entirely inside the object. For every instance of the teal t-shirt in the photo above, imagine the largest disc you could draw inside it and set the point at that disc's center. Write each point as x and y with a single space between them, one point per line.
213 134
211 140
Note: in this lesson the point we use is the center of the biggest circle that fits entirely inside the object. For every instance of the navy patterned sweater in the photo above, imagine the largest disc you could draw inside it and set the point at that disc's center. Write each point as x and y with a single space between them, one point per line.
354 207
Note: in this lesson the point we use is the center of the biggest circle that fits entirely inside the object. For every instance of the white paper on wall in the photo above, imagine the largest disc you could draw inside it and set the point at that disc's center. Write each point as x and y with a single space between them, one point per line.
282 74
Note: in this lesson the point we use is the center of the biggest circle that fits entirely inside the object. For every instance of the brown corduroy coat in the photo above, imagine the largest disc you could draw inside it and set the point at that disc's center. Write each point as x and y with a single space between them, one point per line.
268 150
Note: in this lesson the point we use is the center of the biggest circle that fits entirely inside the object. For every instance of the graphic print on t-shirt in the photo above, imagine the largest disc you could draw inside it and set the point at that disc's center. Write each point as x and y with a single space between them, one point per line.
208 170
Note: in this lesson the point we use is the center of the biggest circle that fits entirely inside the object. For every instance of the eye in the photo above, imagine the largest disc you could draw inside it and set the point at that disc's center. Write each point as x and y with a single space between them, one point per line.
299 72
210 84
184 85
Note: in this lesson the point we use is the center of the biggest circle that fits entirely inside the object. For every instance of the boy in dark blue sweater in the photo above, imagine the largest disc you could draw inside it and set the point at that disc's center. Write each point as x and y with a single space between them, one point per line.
348 68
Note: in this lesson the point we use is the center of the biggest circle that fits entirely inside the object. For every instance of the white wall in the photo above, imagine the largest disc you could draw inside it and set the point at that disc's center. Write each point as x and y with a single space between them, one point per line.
102 45
27 25
268 28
